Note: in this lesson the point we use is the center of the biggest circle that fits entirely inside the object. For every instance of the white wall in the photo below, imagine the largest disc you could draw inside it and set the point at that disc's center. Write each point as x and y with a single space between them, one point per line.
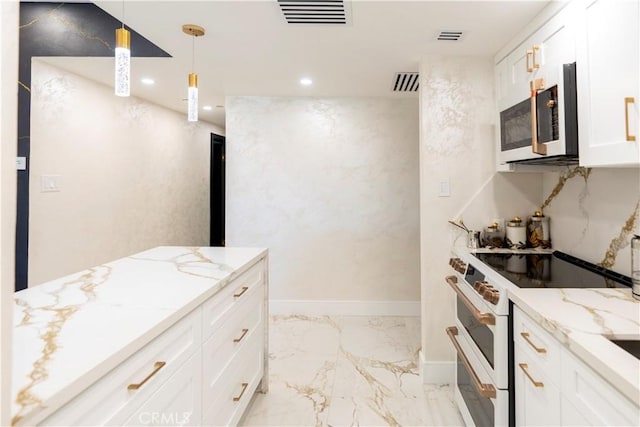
8 149
133 175
330 186
457 144
590 217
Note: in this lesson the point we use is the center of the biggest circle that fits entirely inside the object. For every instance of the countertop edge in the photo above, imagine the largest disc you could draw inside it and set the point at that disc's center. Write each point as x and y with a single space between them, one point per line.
570 340
68 393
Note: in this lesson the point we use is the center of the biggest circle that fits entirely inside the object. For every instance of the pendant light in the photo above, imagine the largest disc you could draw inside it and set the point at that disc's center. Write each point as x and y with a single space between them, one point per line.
192 93
123 60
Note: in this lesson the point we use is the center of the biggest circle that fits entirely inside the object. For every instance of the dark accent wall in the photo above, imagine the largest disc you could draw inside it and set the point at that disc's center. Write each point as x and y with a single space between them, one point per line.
58 29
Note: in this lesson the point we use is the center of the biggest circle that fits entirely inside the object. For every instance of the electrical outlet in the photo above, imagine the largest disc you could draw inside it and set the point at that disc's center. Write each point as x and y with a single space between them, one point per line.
49 183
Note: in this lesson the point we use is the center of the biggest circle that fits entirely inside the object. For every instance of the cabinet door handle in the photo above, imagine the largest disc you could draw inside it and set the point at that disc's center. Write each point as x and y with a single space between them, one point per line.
535 48
239 294
526 336
529 55
244 332
524 368
483 318
485 390
627 101
156 367
244 388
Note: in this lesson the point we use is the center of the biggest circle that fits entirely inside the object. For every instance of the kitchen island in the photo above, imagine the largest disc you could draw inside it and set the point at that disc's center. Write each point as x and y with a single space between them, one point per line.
75 337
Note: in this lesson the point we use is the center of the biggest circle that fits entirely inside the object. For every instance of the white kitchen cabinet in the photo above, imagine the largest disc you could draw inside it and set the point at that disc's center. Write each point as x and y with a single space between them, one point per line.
608 81
202 370
536 362
178 402
554 387
540 54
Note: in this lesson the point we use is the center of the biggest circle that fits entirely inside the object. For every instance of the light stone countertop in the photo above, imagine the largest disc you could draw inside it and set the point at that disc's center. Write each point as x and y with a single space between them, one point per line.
583 320
70 332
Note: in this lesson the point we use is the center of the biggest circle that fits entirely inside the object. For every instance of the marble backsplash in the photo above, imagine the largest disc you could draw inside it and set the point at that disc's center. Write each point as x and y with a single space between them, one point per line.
594 213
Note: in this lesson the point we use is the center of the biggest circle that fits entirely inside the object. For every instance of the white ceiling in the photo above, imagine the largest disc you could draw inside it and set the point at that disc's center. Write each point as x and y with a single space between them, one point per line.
249 49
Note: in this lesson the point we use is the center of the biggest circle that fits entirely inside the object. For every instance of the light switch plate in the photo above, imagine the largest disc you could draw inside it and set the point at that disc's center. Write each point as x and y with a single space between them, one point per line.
444 189
21 163
50 183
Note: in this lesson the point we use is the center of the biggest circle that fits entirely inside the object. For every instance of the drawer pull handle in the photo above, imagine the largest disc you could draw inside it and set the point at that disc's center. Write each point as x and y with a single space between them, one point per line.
529 55
536 65
525 335
484 390
244 332
239 294
156 367
244 388
524 368
627 101
483 318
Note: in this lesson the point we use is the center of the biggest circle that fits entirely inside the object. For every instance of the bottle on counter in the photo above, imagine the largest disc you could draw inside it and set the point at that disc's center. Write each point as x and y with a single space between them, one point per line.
635 266
516 234
538 233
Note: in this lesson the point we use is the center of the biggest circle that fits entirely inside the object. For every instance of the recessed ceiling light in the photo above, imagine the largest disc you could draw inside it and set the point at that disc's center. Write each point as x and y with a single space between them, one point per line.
207 108
306 81
219 106
147 81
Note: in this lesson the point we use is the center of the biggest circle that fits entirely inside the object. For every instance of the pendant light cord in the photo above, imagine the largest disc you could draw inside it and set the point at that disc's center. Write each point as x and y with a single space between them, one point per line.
122 14
193 54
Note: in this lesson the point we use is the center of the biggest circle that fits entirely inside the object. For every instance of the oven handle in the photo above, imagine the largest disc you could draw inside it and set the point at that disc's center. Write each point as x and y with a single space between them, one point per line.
483 318
485 390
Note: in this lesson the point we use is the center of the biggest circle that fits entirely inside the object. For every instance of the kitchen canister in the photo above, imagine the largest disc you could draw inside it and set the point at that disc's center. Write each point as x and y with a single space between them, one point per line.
516 234
538 231
493 236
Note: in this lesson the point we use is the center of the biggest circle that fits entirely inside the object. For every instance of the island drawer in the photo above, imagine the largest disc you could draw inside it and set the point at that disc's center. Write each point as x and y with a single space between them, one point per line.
538 344
215 309
232 334
225 398
113 398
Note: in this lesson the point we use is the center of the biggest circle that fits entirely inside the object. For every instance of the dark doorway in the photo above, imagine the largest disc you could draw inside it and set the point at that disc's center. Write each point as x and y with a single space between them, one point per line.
217 189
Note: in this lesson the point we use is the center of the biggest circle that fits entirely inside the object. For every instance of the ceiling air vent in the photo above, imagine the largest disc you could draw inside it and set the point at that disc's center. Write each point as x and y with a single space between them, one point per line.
314 11
405 82
450 35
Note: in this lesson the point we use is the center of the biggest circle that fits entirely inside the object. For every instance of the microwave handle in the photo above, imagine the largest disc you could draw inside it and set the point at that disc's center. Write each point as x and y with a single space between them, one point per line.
536 146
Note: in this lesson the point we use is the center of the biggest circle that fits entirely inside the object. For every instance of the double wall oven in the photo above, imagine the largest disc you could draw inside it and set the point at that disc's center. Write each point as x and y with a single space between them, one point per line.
483 333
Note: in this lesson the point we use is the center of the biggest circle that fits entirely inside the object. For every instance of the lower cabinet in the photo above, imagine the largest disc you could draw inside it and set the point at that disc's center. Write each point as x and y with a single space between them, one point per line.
537 398
202 370
553 387
177 402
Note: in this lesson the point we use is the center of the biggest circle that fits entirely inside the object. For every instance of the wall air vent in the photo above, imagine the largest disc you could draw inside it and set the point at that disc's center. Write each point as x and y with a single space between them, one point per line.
314 11
405 82
450 35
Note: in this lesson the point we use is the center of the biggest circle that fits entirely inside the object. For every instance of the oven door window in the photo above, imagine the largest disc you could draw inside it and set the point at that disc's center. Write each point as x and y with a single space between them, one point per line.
481 334
515 126
481 408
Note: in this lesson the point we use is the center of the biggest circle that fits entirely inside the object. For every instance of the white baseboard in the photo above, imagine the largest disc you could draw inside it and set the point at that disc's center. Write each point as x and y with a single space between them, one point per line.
436 372
344 308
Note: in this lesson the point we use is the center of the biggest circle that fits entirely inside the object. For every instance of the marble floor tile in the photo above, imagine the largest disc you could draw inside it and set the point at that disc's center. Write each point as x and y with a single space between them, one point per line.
348 371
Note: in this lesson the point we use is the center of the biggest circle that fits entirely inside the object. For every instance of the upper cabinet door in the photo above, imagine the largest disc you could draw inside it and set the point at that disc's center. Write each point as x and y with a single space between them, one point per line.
608 78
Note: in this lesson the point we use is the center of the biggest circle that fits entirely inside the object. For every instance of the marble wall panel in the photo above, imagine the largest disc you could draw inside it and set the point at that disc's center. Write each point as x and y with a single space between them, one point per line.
330 186
133 175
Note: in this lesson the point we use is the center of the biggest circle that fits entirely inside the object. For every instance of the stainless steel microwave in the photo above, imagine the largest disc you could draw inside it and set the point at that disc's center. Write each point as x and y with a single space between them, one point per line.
543 129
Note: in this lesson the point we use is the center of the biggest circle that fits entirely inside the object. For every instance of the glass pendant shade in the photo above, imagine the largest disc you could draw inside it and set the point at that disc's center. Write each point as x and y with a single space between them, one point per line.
123 62
192 98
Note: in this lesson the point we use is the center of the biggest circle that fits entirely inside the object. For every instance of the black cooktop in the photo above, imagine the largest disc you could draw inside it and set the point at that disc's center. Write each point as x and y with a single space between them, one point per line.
556 270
